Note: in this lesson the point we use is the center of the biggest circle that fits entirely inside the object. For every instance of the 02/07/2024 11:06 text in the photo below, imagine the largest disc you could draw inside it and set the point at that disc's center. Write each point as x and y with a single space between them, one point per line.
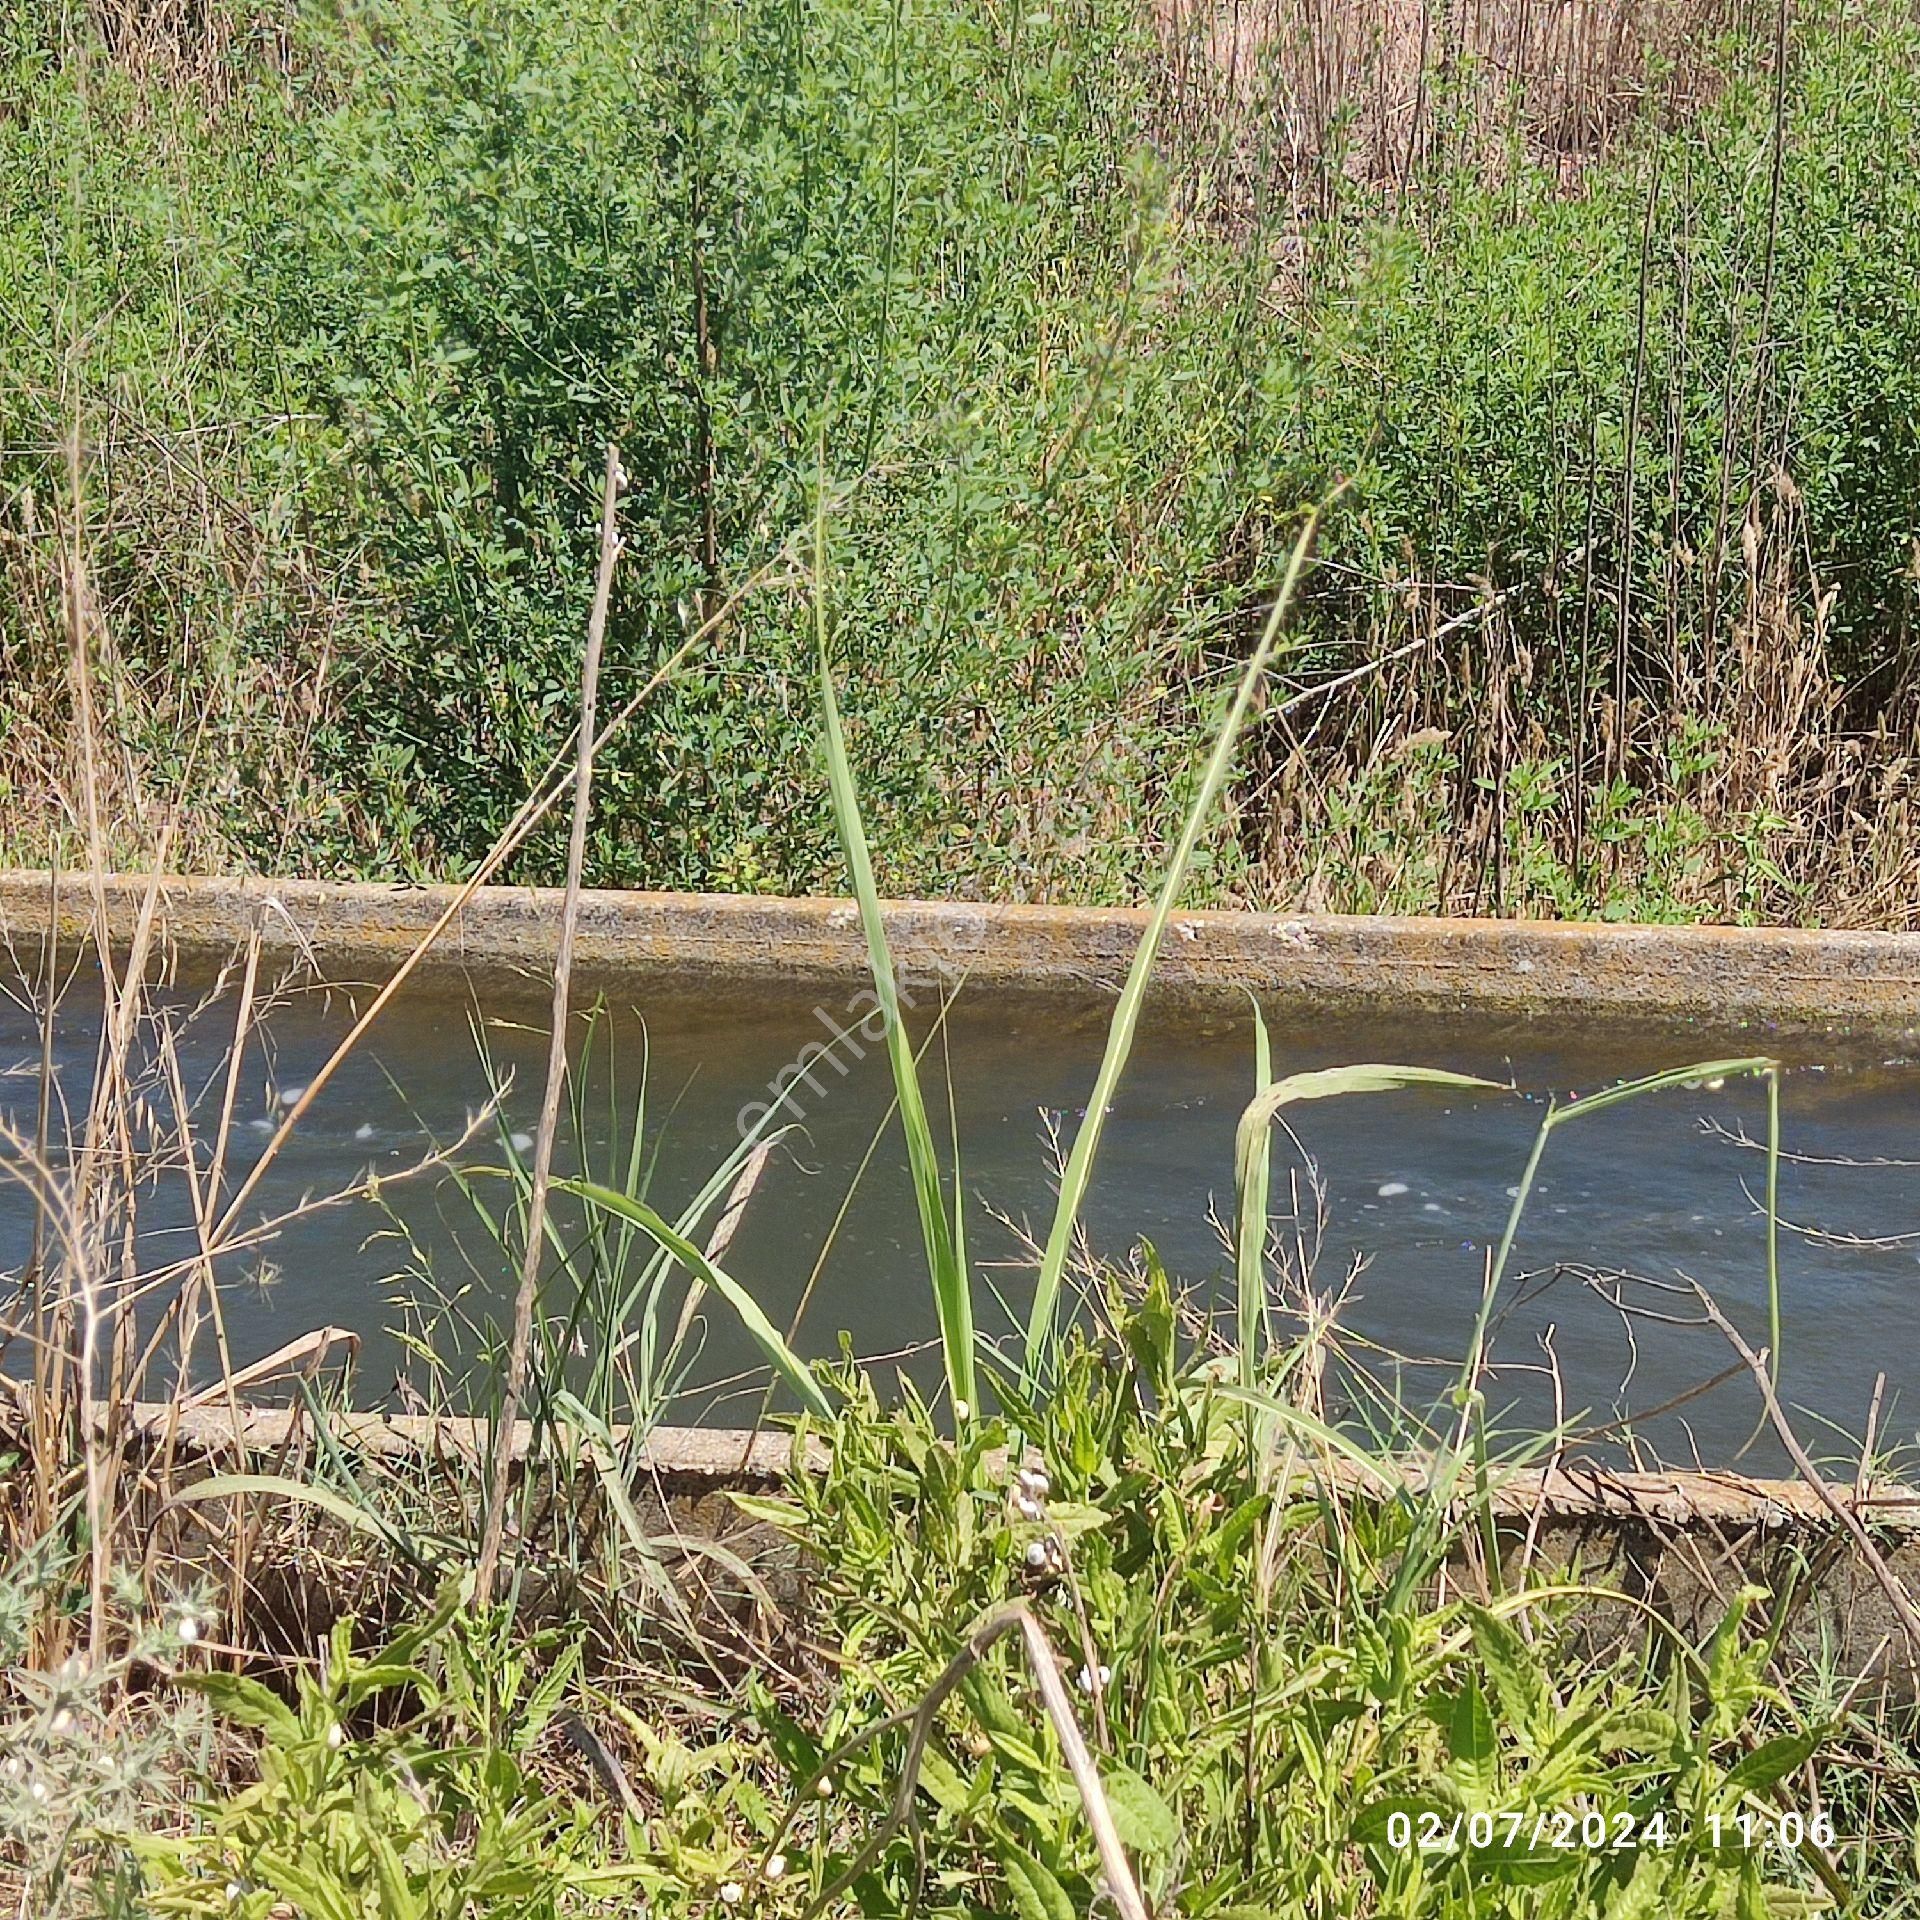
1567 1830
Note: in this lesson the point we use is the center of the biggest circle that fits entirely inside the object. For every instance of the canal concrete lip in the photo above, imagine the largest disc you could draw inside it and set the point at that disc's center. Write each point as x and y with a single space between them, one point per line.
709 1459
1787 978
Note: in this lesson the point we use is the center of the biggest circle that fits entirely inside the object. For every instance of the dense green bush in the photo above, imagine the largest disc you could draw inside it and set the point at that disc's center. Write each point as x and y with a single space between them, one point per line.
756 247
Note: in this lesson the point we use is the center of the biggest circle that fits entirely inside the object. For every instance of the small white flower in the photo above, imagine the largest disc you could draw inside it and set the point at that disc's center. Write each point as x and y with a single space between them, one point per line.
1036 1554
236 1890
776 1866
13 1768
1025 1508
961 1411
38 1790
730 1894
189 1628
1106 1678
825 1786
336 1736
1085 1679
63 1720
1034 1482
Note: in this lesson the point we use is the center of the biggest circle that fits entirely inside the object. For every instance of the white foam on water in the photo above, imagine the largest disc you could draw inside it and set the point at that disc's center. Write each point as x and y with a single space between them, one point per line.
520 1142
1392 1189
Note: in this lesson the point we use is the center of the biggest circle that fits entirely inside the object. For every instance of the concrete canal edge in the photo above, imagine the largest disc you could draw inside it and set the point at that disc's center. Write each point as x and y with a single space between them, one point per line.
1786 978
700 1460
1678 1543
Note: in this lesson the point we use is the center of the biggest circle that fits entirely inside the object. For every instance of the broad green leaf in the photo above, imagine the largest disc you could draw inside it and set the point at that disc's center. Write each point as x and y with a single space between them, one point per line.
1144 1821
1037 1895
1368 1827
1772 1761
385 1676
1073 1519
1639 1729
784 1514
1518 1684
544 1701
1471 1742
398 1901
1644 1894
942 1782
245 1702
1020 1753
985 1692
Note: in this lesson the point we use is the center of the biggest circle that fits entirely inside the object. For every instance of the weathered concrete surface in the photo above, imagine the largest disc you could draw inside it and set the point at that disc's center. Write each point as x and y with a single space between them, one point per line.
1676 1544
1329 963
695 1459
716 1457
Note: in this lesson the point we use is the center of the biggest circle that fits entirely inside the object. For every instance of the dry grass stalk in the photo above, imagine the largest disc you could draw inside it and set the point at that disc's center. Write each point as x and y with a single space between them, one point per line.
524 1298
1890 1582
1298 98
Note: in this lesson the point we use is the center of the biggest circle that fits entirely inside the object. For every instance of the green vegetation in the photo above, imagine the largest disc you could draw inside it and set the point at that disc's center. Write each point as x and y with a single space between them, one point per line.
975 371
1285 1662
343 306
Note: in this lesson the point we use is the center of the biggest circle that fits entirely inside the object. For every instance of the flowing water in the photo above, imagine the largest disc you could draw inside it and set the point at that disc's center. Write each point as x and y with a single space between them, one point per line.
1397 1197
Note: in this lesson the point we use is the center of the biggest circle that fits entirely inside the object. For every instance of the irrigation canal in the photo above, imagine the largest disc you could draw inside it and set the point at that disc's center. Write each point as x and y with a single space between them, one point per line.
1394 1198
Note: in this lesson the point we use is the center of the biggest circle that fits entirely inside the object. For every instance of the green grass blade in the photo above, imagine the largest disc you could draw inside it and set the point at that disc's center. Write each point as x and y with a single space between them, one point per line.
785 1362
275 1486
1757 1066
1078 1176
1250 1156
952 1295
1250 1237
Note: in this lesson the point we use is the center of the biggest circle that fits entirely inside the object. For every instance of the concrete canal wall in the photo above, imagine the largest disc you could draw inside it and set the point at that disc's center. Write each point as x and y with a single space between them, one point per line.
1331 963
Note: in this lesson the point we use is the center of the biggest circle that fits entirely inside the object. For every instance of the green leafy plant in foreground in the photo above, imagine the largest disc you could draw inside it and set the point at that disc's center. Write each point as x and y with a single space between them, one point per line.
396 1786
1279 1657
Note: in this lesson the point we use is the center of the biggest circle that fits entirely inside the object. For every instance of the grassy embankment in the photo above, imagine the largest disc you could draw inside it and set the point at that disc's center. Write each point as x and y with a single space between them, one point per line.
1611 320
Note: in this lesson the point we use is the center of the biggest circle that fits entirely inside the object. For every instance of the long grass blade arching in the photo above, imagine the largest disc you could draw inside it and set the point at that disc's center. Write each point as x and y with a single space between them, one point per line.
1078 1174
785 1362
1755 1066
952 1295
1251 1165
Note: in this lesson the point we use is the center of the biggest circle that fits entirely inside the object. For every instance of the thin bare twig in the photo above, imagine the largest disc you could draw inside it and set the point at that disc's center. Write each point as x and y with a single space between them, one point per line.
919 1721
1890 1582
522 1336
